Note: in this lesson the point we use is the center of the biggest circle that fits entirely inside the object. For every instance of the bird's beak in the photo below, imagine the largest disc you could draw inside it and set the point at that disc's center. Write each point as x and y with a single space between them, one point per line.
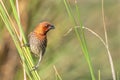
52 27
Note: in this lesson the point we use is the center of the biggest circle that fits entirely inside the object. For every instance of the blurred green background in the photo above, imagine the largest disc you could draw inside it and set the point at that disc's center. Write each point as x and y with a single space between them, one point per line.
64 51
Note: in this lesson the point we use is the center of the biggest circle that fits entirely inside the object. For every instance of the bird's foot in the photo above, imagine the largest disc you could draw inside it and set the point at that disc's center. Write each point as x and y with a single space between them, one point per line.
26 45
34 68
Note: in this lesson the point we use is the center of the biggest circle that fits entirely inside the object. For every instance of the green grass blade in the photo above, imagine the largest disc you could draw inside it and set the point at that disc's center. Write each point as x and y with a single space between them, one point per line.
80 35
13 35
23 51
28 56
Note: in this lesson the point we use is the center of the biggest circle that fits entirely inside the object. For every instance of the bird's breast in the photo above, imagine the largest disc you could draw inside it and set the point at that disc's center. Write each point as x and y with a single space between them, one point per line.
37 44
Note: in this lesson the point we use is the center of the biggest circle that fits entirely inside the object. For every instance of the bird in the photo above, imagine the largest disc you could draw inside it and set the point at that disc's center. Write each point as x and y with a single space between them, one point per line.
38 40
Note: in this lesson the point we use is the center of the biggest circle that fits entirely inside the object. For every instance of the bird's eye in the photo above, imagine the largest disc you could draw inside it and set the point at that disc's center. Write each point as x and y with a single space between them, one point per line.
46 25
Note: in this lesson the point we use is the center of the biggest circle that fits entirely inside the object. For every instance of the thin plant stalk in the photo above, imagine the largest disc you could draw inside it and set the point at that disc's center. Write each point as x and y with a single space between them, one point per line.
24 52
12 33
57 74
80 36
99 75
118 78
107 46
84 44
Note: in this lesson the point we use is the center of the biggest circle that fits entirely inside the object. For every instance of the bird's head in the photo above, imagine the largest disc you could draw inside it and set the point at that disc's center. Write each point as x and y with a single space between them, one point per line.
43 28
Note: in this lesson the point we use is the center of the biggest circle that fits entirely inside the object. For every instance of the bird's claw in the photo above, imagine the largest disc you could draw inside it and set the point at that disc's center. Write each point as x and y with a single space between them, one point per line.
34 68
26 45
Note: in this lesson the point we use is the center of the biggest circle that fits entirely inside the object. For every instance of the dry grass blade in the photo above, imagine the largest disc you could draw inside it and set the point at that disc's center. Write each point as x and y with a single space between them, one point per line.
17 6
94 33
106 39
99 75
18 12
25 78
9 18
24 52
58 75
